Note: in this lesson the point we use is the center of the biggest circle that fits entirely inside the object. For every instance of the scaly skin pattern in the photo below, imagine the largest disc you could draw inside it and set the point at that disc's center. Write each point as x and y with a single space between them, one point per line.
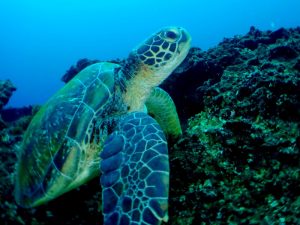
157 57
135 167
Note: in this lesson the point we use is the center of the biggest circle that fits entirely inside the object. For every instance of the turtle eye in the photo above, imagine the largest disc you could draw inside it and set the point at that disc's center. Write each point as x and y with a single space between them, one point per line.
171 35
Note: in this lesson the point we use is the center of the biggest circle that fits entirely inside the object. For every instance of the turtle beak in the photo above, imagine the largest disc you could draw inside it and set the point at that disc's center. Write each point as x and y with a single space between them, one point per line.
185 35
184 42
185 39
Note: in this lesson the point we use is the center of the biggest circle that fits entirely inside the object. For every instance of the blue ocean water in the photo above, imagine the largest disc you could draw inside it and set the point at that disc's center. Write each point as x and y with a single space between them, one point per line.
41 39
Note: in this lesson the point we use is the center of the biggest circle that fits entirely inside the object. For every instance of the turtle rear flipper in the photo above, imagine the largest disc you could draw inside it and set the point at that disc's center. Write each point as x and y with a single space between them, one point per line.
135 173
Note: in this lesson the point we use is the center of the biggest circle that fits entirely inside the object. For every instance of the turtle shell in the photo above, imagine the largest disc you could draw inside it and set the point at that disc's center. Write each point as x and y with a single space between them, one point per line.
58 153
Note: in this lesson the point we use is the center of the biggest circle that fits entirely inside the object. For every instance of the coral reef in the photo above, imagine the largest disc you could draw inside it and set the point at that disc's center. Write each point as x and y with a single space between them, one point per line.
11 135
12 114
238 161
13 123
7 89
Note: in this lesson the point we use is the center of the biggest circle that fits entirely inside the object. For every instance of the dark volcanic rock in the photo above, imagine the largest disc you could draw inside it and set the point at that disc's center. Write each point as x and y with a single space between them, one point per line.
13 114
238 162
6 91
11 135
275 55
197 68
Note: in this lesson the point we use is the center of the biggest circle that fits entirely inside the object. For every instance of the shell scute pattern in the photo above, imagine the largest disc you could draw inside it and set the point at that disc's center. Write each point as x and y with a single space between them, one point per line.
63 123
44 137
98 83
80 123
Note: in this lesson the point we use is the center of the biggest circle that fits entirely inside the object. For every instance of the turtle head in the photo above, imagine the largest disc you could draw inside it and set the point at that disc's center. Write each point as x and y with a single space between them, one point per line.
152 62
162 52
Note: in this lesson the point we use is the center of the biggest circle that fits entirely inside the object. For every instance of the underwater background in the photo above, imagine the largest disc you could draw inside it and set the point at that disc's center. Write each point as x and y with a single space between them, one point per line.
237 96
40 39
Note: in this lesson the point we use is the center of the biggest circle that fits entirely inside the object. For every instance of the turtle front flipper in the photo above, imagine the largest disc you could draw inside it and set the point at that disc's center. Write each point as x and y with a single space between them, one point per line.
162 108
135 173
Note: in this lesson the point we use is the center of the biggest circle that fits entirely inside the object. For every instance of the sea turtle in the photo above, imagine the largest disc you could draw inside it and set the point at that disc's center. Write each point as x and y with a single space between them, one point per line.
105 109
